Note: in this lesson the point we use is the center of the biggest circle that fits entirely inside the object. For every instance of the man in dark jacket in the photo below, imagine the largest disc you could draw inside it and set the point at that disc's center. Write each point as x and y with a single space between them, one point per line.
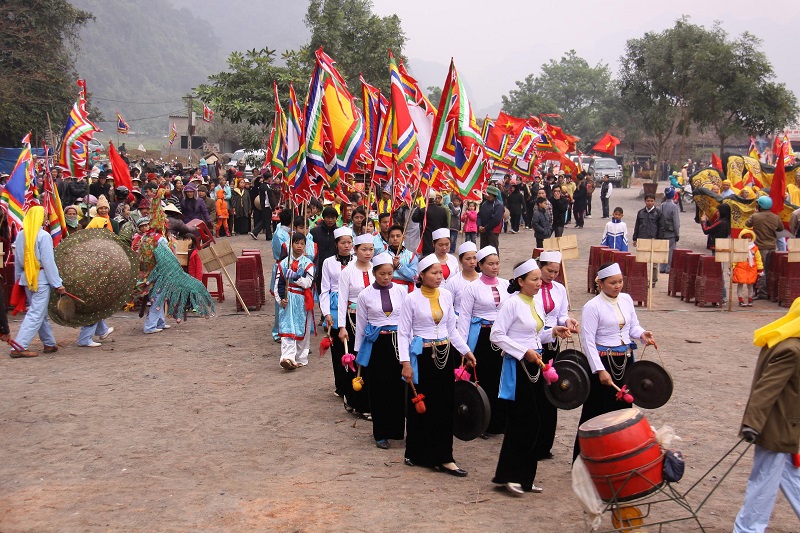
649 225
490 218
435 216
541 224
326 244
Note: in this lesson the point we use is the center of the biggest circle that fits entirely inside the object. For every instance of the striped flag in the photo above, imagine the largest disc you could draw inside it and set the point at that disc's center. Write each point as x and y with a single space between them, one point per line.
77 132
13 196
277 139
406 164
54 211
208 115
172 134
296 168
122 126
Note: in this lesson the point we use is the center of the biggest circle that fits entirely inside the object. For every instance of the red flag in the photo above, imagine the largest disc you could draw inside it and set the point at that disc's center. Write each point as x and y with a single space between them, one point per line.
606 144
716 162
208 115
777 191
119 168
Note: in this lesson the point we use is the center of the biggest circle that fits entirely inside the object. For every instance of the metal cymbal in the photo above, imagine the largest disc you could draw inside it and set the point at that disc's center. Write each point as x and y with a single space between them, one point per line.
649 383
472 411
571 388
577 356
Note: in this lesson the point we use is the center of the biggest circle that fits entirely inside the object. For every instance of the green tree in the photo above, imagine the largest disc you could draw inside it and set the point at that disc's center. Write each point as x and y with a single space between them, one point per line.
583 95
37 56
356 38
435 95
750 101
244 92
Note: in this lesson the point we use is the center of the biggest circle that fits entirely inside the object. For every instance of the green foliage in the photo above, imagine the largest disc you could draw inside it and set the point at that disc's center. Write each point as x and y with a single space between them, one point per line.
37 46
356 38
583 95
140 57
435 95
244 92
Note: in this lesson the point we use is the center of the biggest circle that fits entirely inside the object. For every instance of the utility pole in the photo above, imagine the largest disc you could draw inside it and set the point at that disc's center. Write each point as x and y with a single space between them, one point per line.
190 122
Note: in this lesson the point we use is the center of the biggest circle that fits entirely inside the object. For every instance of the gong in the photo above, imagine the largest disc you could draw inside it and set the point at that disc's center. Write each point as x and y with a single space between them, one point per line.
570 354
649 383
472 411
571 388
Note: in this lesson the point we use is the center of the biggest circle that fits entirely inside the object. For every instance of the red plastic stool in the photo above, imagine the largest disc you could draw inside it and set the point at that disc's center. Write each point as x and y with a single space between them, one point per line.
219 294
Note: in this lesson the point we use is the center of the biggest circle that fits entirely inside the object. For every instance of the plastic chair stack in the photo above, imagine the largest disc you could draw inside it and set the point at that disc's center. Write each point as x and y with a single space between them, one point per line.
708 283
689 276
779 259
594 262
635 280
676 271
260 269
247 282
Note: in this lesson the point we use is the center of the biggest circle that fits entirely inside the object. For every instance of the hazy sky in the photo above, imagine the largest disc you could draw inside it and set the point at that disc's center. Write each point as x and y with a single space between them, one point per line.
496 42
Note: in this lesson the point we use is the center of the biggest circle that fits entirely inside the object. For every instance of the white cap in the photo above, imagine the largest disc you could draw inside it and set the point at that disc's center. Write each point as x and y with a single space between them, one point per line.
425 262
341 232
550 256
366 238
382 259
432 193
441 233
609 271
467 247
526 267
486 251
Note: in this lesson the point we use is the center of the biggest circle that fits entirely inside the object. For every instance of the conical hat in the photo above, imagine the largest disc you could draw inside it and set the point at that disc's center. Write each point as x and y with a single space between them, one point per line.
97 267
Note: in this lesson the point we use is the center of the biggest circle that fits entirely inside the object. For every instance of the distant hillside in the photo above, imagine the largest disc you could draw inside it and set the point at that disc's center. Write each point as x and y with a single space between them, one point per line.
140 56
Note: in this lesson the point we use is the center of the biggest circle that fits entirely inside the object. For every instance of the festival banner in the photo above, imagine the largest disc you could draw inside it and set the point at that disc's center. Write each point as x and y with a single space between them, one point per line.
208 114
406 164
277 139
122 126
13 197
173 133
296 169
51 202
78 131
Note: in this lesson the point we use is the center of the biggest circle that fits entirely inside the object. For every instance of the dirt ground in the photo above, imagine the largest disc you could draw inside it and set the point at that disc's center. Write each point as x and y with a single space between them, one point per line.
198 428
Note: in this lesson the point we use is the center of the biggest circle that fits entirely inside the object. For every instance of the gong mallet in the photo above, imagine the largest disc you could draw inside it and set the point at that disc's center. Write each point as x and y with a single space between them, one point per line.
623 394
418 399
74 297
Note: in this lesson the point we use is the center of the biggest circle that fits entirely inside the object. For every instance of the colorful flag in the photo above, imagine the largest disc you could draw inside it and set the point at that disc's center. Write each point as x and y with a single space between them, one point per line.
122 126
456 145
376 118
277 139
78 130
54 212
208 115
406 164
13 197
119 168
296 169
716 162
777 190
523 147
753 150
420 109
606 144
173 133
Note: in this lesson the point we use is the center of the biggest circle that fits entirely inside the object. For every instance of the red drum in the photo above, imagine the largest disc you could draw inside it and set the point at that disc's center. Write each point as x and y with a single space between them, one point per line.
622 455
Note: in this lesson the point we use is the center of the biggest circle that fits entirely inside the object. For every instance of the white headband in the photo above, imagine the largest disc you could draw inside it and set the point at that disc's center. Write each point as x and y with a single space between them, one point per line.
425 262
467 247
609 271
382 259
528 266
486 251
366 238
341 232
441 233
550 256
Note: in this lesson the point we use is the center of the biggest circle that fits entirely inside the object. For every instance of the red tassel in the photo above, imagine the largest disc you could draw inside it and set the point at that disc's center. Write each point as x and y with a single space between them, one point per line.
324 345
796 460
18 299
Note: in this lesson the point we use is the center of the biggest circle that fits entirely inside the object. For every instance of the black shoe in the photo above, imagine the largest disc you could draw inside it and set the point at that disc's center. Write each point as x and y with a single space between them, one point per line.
546 456
458 472
382 444
408 462
484 436
347 406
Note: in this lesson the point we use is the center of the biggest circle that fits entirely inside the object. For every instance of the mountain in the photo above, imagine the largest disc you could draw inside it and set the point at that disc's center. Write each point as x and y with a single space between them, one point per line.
139 57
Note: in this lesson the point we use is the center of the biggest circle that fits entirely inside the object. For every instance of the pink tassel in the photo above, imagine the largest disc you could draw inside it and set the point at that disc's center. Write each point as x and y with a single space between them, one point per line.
549 373
625 395
347 361
462 374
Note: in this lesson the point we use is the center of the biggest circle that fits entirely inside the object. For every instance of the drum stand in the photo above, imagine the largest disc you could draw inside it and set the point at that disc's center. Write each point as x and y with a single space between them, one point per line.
666 493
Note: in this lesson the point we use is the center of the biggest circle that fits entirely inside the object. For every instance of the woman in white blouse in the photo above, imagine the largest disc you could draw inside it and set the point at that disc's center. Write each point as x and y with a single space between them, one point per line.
426 329
377 315
519 331
329 302
441 247
553 299
480 301
609 325
355 278
467 259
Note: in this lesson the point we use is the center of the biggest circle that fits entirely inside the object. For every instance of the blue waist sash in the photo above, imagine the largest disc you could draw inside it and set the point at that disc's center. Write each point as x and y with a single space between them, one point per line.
475 330
334 300
618 351
415 350
371 334
508 378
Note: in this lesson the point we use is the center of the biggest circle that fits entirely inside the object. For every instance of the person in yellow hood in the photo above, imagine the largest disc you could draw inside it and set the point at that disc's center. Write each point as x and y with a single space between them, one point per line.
772 421
745 273
36 270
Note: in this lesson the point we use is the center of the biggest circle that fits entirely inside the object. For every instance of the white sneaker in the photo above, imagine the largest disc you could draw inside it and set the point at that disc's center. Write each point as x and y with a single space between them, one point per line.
165 326
106 334
151 332
92 344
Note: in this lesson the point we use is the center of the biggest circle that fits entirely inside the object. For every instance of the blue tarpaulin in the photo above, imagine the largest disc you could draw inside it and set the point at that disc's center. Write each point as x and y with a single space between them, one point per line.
9 156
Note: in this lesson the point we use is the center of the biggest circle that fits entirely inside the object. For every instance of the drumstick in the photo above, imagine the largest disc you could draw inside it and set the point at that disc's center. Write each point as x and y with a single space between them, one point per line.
74 297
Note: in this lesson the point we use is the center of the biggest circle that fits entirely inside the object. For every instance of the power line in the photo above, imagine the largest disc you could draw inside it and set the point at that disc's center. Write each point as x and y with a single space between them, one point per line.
141 118
128 102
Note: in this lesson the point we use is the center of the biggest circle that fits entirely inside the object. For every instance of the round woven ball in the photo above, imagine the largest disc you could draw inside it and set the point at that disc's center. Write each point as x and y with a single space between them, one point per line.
97 267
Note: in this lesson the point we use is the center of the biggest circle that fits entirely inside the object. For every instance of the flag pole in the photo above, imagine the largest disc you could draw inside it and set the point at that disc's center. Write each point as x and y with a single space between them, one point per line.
408 218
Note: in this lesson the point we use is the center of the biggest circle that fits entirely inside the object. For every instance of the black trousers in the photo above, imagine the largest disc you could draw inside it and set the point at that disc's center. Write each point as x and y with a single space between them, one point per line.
386 390
359 401
548 411
429 436
264 222
490 365
604 201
